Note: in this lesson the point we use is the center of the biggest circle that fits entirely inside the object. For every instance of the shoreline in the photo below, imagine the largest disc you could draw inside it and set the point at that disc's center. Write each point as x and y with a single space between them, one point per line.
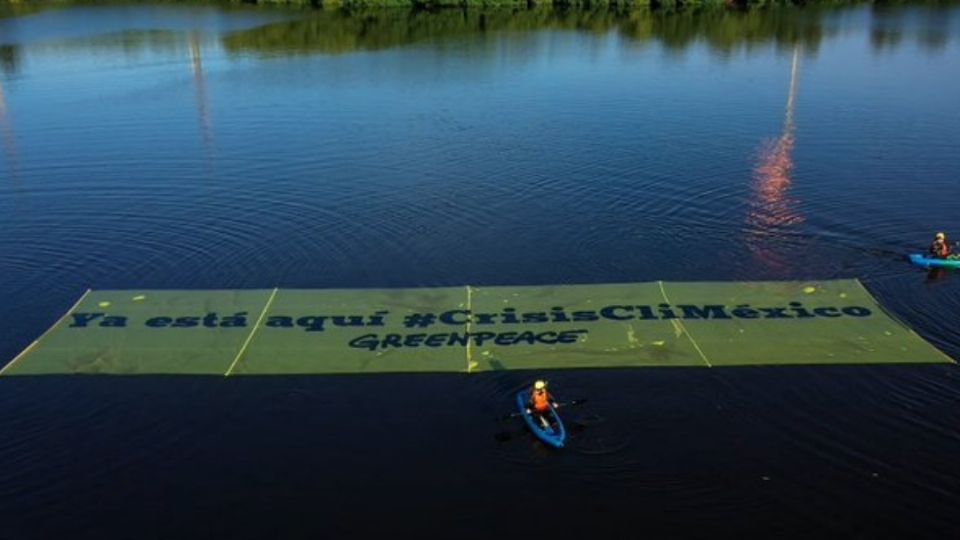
22 7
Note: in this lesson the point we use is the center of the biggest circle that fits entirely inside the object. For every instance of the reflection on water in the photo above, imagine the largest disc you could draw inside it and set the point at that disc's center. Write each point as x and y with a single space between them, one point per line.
343 31
8 59
772 209
339 31
722 30
890 26
6 136
196 63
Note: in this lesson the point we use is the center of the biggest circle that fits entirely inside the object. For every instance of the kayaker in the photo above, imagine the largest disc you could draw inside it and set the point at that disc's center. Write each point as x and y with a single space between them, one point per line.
540 400
940 249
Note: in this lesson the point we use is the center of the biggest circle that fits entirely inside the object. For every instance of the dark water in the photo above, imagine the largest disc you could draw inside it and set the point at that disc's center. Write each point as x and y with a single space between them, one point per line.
198 147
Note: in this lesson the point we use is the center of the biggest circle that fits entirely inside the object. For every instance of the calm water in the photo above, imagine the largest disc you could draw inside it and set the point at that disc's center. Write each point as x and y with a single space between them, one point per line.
198 147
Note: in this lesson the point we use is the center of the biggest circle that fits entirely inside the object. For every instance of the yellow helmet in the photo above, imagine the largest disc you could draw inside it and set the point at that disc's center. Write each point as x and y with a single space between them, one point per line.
540 385
940 236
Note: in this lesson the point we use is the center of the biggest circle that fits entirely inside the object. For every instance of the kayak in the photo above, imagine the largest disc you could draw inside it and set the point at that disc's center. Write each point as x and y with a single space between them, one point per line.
929 262
553 434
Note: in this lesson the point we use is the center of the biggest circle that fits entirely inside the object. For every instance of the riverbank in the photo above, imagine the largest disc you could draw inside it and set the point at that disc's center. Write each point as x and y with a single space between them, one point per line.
298 31
23 7
342 31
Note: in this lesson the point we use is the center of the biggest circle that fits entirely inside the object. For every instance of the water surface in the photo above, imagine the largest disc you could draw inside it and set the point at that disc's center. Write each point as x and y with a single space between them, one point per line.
202 147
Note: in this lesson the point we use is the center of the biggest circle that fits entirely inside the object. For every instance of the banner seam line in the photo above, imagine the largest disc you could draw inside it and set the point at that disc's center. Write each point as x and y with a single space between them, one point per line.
253 331
686 332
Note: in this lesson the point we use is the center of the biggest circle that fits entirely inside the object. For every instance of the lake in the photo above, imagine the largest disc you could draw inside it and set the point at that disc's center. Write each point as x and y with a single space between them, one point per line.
196 146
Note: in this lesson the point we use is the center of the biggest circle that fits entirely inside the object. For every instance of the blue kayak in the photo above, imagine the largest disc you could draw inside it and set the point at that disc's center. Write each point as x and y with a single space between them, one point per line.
553 433
929 262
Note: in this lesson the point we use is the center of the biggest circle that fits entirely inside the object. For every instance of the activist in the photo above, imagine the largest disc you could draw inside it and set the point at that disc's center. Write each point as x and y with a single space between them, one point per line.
940 249
540 401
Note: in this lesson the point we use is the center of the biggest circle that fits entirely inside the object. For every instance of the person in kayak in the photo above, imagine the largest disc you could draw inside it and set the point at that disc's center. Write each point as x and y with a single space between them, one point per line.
540 401
940 249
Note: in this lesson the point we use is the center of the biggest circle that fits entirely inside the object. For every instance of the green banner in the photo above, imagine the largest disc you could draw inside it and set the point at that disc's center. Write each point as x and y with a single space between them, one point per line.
472 329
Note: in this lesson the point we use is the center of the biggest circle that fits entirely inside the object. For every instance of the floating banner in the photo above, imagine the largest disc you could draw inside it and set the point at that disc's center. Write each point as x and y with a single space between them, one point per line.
472 329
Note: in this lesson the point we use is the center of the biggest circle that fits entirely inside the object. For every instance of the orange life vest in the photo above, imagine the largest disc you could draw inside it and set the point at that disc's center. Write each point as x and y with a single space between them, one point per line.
940 249
540 401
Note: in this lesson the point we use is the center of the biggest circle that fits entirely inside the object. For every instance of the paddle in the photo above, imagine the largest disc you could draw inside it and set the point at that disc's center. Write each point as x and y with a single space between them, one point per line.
557 406
571 402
